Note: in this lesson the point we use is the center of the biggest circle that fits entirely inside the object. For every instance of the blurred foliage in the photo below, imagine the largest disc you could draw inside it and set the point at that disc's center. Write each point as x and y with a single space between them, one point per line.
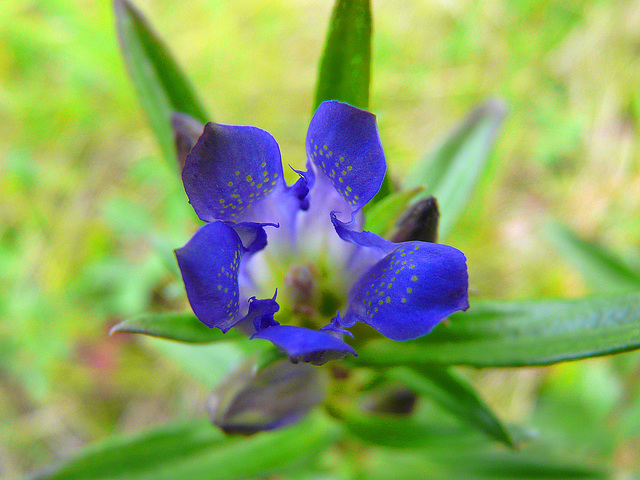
89 211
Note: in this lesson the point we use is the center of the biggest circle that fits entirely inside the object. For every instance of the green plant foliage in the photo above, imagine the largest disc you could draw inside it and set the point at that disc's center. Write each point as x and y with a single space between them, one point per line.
345 67
516 334
403 432
602 268
161 86
75 257
183 327
451 171
471 464
456 395
198 451
209 363
382 217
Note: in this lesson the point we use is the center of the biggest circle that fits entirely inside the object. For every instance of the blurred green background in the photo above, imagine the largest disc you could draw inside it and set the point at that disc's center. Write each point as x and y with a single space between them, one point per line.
89 212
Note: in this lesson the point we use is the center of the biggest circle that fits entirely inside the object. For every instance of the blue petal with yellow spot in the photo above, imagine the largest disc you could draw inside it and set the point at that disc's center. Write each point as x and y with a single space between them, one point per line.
404 295
343 144
230 169
209 264
233 177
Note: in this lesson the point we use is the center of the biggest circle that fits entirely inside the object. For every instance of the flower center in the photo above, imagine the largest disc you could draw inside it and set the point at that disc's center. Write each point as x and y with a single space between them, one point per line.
300 289
307 297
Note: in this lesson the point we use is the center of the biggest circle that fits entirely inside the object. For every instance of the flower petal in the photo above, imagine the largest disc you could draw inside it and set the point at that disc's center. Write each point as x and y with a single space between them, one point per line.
229 169
252 235
343 143
261 312
348 233
209 263
404 295
305 345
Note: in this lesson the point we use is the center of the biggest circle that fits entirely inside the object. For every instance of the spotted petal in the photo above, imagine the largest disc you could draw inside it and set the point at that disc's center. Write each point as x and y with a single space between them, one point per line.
209 263
404 295
230 169
344 146
305 345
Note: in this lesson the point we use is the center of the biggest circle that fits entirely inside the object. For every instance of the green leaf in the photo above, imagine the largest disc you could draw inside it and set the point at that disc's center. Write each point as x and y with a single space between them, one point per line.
198 451
526 465
161 86
451 171
456 395
209 363
382 216
403 432
163 248
515 334
467 464
197 347
600 267
184 327
345 68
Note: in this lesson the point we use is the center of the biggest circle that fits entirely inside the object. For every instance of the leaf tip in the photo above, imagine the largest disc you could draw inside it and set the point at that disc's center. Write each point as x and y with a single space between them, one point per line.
118 327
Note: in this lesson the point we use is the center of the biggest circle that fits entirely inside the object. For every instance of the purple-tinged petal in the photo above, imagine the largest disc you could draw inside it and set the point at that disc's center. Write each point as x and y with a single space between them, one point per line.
367 247
229 169
209 263
252 235
336 326
409 291
261 312
343 144
306 345
363 238
300 189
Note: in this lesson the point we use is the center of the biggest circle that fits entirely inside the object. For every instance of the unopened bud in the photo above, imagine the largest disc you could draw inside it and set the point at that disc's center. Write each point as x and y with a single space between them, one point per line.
250 401
420 222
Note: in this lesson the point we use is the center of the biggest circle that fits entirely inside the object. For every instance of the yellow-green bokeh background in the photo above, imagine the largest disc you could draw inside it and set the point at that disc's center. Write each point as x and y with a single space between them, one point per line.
82 188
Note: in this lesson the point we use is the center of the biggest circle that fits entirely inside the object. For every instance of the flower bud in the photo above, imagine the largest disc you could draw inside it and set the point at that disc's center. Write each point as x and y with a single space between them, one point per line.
419 222
252 400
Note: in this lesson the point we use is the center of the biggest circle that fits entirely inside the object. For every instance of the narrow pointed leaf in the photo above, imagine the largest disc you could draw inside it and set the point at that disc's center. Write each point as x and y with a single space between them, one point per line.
132 455
600 267
345 67
160 84
198 451
451 171
475 464
456 395
183 327
515 334
525 465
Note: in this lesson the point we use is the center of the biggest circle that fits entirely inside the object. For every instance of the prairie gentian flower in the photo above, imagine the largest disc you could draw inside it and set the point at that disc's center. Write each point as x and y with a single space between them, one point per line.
317 260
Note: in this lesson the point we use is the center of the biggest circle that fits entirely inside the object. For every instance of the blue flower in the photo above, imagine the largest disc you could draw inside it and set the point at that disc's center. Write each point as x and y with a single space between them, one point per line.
317 259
